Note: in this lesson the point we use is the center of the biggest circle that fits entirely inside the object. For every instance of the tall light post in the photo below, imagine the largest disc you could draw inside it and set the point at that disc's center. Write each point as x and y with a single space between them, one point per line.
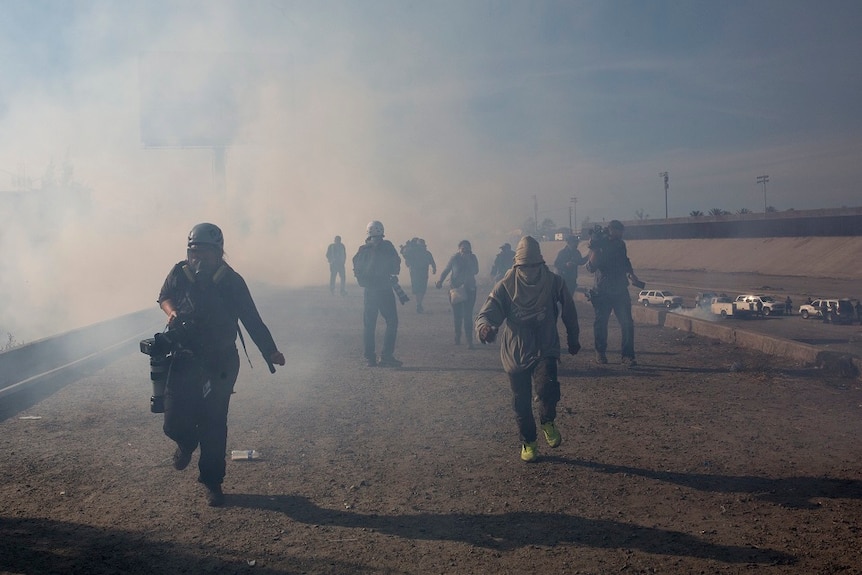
665 176
573 209
536 215
762 180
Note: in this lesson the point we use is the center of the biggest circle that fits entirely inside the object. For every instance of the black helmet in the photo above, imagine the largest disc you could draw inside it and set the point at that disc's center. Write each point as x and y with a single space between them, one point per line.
206 234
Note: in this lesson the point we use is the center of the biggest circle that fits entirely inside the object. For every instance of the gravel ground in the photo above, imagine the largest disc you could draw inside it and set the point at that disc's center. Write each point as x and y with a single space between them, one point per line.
705 459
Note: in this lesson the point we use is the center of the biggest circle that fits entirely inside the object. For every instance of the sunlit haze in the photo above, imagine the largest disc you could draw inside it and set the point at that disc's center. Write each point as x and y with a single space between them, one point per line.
445 120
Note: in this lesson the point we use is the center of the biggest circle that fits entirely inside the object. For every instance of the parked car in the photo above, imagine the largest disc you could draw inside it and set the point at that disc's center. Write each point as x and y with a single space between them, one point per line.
838 310
767 304
659 297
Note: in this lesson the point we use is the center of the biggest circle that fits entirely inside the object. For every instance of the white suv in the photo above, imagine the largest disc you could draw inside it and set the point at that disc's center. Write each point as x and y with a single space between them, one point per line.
659 297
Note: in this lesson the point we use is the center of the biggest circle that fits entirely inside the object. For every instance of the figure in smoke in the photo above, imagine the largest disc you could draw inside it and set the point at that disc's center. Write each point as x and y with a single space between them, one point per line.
567 262
418 259
463 266
376 266
502 262
527 303
207 297
336 255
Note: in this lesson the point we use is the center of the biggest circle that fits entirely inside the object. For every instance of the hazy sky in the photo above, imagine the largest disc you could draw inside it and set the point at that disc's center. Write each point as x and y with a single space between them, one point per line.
442 119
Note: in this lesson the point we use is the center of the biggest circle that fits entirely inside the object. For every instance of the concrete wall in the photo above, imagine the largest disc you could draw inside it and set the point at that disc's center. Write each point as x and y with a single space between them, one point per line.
818 257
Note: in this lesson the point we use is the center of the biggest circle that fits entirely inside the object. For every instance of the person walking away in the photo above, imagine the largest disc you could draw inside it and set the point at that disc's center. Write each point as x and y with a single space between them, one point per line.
788 306
463 265
418 259
336 255
608 260
376 266
502 262
527 303
858 308
567 262
205 298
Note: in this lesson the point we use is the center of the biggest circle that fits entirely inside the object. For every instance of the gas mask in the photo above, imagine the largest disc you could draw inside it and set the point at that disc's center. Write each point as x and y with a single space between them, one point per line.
203 270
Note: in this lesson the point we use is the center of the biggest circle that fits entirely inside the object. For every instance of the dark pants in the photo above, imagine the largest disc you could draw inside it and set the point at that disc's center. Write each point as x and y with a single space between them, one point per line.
463 316
543 378
334 270
197 397
571 283
379 300
419 286
621 304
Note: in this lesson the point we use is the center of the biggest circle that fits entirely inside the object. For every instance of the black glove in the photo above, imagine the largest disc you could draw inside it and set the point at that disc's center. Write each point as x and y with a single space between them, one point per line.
574 347
487 333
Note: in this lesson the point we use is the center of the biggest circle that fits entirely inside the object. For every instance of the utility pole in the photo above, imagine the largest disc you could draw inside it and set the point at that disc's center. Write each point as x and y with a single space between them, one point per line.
536 215
762 180
665 176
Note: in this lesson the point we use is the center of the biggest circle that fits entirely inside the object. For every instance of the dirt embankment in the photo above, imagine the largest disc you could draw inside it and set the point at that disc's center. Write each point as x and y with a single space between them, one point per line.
817 257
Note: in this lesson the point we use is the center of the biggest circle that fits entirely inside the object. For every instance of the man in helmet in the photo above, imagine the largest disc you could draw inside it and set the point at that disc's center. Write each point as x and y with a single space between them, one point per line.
204 298
376 266
336 255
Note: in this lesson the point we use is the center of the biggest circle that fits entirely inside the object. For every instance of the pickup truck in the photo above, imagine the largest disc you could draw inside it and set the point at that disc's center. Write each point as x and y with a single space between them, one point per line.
721 306
748 303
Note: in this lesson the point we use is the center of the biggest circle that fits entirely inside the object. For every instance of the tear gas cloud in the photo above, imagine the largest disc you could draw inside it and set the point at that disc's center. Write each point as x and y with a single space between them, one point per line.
444 121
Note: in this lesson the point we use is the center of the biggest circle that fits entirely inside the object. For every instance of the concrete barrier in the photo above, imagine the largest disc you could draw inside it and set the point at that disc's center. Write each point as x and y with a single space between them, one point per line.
807 355
21 365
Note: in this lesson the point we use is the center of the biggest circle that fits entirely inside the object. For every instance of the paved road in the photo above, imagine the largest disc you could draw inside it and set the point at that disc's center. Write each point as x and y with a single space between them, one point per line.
842 338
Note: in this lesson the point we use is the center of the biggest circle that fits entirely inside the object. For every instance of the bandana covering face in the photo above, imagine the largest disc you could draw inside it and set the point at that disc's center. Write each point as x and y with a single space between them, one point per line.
530 283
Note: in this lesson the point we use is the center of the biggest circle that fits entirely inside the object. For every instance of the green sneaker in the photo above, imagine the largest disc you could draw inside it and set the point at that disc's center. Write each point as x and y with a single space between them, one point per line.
552 436
529 452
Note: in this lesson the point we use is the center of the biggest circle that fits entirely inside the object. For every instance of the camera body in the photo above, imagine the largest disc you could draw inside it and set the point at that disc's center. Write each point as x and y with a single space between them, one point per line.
161 348
396 287
599 237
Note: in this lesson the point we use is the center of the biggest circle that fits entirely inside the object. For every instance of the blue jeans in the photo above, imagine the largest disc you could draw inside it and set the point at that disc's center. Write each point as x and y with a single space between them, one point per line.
621 304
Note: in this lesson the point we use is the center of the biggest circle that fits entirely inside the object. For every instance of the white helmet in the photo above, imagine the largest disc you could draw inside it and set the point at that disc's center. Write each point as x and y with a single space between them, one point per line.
374 228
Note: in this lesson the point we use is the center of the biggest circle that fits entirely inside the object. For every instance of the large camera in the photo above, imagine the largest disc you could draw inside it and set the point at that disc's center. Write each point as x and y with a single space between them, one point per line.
599 237
396 287
161 348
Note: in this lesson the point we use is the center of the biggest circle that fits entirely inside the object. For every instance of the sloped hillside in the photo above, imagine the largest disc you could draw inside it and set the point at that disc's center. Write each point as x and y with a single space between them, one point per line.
816 257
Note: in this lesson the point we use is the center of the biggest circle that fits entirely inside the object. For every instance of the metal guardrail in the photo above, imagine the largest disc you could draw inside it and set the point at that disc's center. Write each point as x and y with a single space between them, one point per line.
25 365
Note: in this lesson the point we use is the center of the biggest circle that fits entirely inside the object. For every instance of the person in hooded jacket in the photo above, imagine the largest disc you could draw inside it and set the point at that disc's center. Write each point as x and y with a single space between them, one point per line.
525 306
463 266
205 298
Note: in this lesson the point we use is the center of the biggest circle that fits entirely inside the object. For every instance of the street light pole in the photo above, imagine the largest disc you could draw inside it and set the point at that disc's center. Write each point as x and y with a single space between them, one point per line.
665 176
536 215
573 209
762 180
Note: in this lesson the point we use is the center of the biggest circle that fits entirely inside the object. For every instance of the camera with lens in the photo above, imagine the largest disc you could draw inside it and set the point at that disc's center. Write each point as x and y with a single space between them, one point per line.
396 287
161 349
599 237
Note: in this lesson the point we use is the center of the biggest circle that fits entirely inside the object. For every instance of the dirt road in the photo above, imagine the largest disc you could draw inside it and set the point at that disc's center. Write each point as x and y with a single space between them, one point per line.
705 459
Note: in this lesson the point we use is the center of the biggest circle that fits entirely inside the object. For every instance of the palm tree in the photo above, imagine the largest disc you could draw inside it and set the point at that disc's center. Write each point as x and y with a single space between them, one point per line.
695 213
717 212
743 211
